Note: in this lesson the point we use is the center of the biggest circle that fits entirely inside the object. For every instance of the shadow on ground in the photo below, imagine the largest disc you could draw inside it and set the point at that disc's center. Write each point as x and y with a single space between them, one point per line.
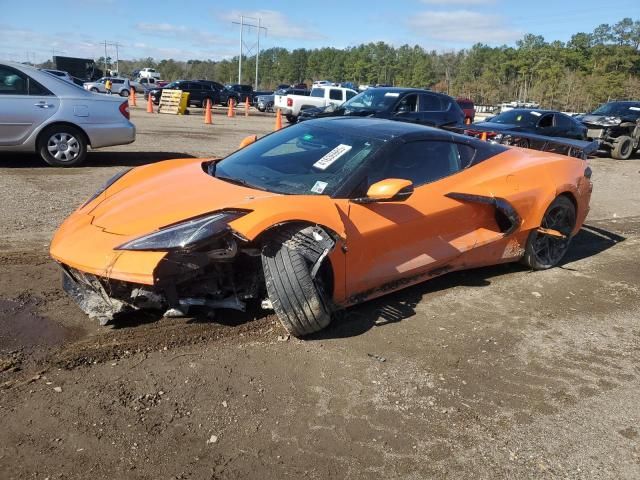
94 159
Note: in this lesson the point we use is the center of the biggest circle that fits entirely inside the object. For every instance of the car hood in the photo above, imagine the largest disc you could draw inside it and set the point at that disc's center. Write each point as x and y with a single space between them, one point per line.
164 193
599 119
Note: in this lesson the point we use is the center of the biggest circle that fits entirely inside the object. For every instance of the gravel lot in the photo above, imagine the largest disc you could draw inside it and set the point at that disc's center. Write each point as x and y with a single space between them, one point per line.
493 373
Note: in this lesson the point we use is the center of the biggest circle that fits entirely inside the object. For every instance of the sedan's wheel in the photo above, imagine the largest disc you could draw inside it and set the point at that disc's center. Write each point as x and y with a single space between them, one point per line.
124 93
546 249
95 90
296 298
522 143
291 118
622 148
63 146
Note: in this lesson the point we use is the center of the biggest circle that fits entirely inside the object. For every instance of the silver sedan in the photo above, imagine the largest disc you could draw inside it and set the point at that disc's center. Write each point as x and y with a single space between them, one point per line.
42 113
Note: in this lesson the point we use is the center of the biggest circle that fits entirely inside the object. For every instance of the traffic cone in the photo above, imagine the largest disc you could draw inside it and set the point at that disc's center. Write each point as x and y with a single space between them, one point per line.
231 112
278 120
207 113
150 105
132 98
246 107
483 136
467 121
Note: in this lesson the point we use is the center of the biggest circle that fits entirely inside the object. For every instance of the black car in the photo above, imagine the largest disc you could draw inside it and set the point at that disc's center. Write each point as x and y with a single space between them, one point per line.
238 92
405 104
547 123
199 91
616 127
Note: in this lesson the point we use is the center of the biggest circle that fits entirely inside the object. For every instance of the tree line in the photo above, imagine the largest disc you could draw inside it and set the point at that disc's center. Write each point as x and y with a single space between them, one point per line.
573 76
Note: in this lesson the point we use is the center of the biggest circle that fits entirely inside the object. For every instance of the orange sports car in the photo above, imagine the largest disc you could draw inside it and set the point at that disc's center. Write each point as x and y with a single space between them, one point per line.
317 217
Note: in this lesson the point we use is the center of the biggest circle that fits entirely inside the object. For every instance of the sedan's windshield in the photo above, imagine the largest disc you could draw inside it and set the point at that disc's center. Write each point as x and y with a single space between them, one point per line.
375 100
619 109
171 86
521 118
303 159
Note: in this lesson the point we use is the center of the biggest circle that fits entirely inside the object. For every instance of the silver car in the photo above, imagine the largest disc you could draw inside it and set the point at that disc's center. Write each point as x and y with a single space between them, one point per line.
59 120
119 86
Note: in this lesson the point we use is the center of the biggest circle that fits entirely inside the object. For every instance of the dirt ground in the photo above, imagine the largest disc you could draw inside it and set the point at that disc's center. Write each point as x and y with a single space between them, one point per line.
492 373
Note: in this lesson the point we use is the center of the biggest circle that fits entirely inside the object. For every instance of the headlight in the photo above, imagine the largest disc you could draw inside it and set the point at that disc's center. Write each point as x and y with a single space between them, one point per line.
106 185
610 121
184 235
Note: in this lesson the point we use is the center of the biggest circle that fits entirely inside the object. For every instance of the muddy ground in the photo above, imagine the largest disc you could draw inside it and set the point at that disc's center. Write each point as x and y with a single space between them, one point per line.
493 373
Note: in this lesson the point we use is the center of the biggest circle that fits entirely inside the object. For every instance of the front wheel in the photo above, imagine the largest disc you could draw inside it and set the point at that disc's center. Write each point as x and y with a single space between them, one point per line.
63 146
291 118
124 93
544 250
622 148
95 90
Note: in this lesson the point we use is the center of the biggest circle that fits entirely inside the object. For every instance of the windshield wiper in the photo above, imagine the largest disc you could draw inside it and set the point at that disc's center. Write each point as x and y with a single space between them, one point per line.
239 181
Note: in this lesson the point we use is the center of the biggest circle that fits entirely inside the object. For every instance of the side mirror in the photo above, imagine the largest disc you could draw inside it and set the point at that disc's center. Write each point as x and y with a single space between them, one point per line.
248 140
389 190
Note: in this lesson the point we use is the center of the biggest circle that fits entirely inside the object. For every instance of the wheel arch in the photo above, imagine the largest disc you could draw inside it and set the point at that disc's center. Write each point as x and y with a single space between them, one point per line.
40 135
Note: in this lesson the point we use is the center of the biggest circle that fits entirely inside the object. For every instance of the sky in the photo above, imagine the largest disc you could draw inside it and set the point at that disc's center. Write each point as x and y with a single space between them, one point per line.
188 29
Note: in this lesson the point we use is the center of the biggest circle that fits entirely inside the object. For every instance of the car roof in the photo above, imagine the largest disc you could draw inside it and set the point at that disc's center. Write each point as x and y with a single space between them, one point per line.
407 90
381 129
539 110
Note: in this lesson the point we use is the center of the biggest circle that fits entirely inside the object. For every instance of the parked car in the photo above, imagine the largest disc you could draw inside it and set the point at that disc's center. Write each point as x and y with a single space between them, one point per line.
468 107
149 73
404 104
199 92
271 222
616 128
42 113
239 93
292 105
118 86
321 83
266 102
546 123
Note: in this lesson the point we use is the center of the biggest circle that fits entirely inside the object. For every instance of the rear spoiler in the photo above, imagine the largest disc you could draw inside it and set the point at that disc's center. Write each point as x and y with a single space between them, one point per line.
563 146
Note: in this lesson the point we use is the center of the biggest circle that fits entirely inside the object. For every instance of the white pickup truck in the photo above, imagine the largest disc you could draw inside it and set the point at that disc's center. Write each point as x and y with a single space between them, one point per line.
291 105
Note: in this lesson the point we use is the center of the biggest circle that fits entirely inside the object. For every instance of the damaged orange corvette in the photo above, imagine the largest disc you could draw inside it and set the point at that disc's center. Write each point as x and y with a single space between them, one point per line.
317 217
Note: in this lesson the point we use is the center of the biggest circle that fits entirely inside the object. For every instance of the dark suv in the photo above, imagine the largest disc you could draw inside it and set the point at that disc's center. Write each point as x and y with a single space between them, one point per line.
238 92
199 91
616 127
404 104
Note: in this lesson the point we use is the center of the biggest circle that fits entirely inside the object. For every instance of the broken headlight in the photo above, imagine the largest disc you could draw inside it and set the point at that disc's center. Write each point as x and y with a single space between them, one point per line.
106 185
185 235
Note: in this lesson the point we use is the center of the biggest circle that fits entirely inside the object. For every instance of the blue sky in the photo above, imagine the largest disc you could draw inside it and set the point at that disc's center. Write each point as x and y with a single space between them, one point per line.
199 29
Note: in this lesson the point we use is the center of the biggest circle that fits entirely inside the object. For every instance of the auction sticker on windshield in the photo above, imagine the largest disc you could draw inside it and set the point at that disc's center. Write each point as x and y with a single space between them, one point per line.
319 187
332 156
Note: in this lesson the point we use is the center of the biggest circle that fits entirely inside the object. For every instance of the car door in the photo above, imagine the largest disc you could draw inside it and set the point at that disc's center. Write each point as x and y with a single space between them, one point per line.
432 111
406 109
423 235
24 105
546 125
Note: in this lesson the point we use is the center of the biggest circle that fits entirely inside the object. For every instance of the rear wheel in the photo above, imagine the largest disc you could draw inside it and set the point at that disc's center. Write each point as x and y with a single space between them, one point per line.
543 250
291 118
124 93
94 89
622 148
522 143
63 146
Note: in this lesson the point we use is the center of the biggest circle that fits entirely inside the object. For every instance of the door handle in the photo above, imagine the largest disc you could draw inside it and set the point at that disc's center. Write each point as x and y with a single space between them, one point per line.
43 105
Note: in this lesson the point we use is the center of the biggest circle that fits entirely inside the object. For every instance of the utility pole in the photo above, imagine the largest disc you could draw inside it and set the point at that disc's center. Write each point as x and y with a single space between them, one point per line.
249 48
105 59
240 58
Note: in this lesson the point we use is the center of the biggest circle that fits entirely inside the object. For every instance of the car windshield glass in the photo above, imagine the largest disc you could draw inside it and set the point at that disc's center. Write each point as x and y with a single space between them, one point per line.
518 117
303 159
616 109
372 99
171 85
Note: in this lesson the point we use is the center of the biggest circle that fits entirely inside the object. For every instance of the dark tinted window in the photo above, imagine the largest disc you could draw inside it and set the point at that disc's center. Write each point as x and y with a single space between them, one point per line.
12 82
430 103
116 80
351 94
246 88
564 122
36 89
546 121
427 161
409 103
194 86
335 94
465 104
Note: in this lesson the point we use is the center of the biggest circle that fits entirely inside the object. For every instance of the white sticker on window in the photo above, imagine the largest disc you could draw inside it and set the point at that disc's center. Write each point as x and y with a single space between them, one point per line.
537 114
636 109
319 187
392 94
332 156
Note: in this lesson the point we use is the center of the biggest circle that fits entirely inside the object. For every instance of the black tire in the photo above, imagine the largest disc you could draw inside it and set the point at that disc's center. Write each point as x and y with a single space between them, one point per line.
62 146
522 143
291 118
124 93
292 291
544 251
95 90
261 109
622 148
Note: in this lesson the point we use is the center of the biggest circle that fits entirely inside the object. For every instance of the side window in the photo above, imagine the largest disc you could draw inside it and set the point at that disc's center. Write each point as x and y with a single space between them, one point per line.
335 94
564 122
36 89
12 82
546 121
115 80
408 104
427 161
350 95
430 103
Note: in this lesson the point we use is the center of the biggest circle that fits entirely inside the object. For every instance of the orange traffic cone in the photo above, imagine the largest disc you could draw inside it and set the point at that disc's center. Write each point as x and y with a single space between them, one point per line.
150 105
207 113
246 107
231 112
467 121
132 98
278 120
483 136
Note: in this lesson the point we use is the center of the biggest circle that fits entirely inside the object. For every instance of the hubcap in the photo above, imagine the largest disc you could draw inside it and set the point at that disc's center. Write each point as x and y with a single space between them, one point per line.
550 249
64 147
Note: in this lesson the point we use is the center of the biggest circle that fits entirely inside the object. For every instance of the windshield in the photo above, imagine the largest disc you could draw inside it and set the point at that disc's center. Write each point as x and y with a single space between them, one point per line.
518 117
303 159
172 85
619 109
372 99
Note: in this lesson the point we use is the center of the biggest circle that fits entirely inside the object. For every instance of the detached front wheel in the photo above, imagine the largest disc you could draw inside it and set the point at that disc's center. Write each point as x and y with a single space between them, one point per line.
544 250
